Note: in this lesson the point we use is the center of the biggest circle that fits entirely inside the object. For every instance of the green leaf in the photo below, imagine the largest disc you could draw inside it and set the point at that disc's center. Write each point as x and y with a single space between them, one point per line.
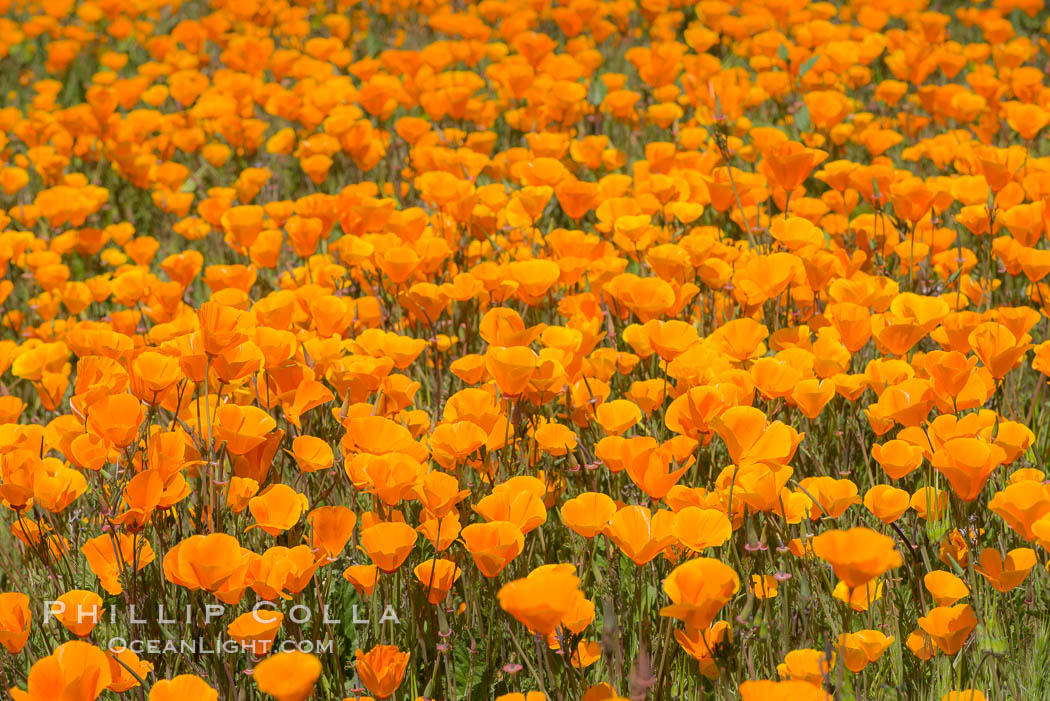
782 53
802 119
597 92
808 65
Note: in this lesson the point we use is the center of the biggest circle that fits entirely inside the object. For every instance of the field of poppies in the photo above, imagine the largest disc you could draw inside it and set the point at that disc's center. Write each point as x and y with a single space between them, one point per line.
529 350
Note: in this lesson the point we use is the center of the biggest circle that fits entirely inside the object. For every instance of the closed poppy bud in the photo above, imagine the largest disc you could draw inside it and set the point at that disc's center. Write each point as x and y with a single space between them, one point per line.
949 626
381 669
15 619
288 676
184 686
493 545
78 610
388 544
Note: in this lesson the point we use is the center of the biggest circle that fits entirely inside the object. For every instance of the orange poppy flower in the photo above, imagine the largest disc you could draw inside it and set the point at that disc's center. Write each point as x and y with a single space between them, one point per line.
493 545
78 611
697 528
857 555
968 463
542 599
640 533
15 620
511 368
288 676
256 630
652 471
945 587
437 576
588 513
998 348
699 588
1006 573
949 626
897 458
887 503
277 508
216 563
524 509
806 665
184 686
862 648
388 544
362 577
108 556
750 437
788 690
74 670
116 418
244 428
331 528
1021 505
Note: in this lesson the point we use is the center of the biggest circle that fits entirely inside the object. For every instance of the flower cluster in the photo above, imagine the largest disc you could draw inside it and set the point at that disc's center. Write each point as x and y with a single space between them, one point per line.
524 350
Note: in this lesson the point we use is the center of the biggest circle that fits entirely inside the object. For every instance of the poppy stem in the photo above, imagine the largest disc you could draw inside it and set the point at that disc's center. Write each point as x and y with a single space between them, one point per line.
524 658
